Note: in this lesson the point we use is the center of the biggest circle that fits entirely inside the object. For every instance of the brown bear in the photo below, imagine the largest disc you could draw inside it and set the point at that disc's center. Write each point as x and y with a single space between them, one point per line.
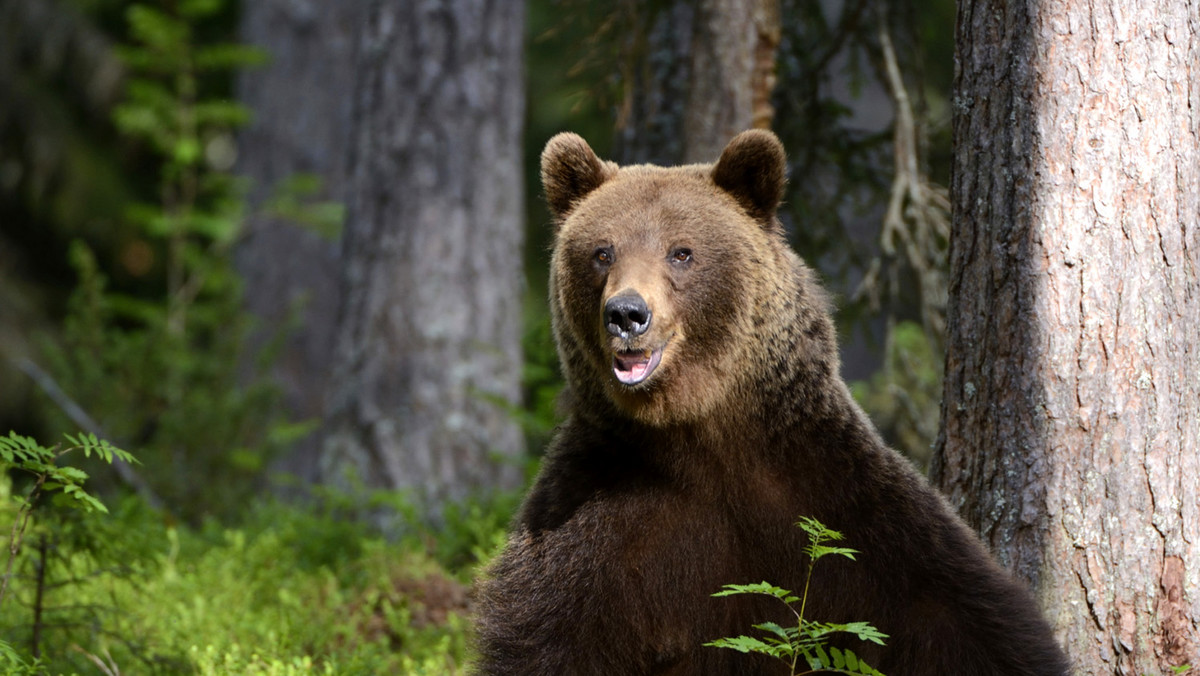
706 414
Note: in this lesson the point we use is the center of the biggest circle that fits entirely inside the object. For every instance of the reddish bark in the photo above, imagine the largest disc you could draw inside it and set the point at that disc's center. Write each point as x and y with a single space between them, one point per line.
1071 411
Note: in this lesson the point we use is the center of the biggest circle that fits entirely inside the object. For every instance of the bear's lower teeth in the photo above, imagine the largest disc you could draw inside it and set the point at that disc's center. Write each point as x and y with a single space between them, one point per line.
633 368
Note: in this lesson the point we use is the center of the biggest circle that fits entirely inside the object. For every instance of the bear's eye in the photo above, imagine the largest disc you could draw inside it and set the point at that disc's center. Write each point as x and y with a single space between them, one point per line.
681 255
603 256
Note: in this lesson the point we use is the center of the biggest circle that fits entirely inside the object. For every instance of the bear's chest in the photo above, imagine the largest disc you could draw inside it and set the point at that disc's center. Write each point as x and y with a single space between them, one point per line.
642 567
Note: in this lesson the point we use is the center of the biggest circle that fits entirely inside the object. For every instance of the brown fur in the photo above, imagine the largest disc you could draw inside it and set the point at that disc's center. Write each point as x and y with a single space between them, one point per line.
653 496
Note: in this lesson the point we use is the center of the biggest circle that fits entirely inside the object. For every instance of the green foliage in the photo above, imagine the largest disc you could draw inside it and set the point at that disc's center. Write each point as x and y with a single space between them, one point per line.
474 531
13 664
290 591
70 542
806 643
174 393
26 455
168 369
210 661
904 397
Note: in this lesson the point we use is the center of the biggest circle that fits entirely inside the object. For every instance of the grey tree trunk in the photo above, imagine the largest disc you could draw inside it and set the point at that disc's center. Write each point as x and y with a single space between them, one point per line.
427 359
301 102
703 72
1071 410
733 62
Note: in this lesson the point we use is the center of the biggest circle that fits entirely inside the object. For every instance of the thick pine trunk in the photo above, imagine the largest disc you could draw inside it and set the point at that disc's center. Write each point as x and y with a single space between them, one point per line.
301 101
428 354
1071 411
703 72
733 65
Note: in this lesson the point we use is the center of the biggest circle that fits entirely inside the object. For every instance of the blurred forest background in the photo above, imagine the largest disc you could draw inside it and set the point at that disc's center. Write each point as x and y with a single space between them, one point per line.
291 255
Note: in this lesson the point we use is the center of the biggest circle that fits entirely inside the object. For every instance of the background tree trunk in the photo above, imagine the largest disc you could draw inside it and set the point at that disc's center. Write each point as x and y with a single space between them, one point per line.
1071 411
301 102
733 59
696 74
427 358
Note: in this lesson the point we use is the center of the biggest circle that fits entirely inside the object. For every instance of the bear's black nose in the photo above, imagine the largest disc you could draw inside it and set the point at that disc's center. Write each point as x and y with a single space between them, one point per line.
626 315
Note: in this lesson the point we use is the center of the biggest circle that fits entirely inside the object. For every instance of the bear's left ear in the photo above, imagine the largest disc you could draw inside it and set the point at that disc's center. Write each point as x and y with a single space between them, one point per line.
571 170
753 168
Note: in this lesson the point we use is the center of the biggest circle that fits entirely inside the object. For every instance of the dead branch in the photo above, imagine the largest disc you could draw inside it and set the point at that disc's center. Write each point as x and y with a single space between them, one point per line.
916 224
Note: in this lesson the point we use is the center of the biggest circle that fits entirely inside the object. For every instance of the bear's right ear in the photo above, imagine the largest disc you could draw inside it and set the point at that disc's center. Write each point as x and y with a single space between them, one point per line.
571 170
753 168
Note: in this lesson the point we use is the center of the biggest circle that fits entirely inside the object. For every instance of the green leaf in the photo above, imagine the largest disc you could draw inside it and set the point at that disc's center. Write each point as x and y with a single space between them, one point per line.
216 228
817 530
89 503
125 456
785 633
38 466
817 551
229 57
70 474
808 640
863 630
18 447
222 113
851 660
20 451
744 644
155 29
144 60
839 661
10 657
134 309
186 151
199 9
144 122
758 588
822 657
151 95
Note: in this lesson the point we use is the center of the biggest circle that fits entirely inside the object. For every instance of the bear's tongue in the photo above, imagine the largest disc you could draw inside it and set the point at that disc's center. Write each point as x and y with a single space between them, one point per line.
632 368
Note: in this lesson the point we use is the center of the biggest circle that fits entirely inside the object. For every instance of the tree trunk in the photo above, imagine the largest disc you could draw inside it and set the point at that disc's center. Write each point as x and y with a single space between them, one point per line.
301 102
1071 410
702 72
427 359
733 62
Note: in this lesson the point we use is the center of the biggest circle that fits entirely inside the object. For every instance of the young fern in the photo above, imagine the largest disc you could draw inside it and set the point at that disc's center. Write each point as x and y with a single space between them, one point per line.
26 455
805 645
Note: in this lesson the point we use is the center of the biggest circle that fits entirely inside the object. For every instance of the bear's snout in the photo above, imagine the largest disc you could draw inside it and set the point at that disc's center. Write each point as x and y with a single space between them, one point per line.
626 315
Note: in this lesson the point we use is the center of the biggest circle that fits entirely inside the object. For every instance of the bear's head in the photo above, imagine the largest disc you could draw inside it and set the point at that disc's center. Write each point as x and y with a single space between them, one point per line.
662 278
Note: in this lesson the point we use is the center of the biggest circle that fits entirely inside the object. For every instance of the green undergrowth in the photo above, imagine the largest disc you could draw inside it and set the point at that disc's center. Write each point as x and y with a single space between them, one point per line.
289 591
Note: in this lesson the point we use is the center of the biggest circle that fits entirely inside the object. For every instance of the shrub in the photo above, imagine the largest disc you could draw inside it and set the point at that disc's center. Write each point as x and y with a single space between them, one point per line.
806 643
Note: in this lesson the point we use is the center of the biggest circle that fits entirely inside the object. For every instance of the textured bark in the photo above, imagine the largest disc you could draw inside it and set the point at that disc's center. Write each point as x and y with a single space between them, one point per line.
1071 411
429 337
733 59
705 72
301 102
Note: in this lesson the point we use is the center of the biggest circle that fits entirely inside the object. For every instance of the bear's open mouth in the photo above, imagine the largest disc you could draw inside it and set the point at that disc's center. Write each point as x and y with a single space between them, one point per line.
634 366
